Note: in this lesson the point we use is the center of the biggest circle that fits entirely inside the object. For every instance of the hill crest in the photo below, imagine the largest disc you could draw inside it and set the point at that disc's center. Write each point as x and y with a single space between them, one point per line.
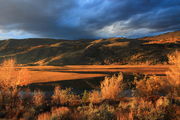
101 51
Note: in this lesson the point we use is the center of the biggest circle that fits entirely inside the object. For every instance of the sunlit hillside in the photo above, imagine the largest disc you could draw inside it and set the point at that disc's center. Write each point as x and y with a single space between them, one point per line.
102 51
171 37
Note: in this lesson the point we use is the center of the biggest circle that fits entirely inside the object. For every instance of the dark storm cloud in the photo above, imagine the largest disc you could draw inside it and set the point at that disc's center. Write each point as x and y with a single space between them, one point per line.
73 19
163 17
159 15
35 16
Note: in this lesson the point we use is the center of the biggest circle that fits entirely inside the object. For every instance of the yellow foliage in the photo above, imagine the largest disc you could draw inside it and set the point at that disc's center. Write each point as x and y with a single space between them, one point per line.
149 86
63 96
11 76
38 98
59 112
173 75
44 116
95 97
111 87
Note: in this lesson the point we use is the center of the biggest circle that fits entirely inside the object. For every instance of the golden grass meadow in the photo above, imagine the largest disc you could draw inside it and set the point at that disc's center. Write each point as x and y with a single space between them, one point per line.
139 96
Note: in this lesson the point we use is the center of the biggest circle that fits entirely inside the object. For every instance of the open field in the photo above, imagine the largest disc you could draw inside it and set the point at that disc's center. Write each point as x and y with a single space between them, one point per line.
83 77
53 73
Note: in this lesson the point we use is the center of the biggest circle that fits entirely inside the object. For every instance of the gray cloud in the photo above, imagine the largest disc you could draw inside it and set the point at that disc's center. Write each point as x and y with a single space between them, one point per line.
74 19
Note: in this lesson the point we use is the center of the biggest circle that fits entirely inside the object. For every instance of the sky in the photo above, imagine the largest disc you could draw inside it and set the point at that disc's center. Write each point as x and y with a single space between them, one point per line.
87 19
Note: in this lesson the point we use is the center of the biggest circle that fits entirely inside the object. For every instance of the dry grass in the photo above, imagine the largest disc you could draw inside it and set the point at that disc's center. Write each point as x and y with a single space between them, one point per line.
44 116
111 87
150 86
162 102
173 57
60 113
59 97
125 115
156 85
142 109
45 74
117 44
11 77
173 75
38 98
161 109
63 96
95 97
92 112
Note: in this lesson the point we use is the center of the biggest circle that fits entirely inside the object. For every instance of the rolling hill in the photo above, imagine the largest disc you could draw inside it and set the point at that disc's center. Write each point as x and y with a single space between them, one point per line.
170 37
148 50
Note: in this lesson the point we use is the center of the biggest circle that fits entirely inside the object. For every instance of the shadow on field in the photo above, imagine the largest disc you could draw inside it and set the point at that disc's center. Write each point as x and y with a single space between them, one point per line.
78 85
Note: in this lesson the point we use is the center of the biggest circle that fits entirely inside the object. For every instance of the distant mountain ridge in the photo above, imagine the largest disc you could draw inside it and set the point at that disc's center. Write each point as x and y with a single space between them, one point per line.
36 51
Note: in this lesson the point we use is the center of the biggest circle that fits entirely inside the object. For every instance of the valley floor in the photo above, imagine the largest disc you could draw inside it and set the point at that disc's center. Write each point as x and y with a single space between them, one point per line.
41 74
